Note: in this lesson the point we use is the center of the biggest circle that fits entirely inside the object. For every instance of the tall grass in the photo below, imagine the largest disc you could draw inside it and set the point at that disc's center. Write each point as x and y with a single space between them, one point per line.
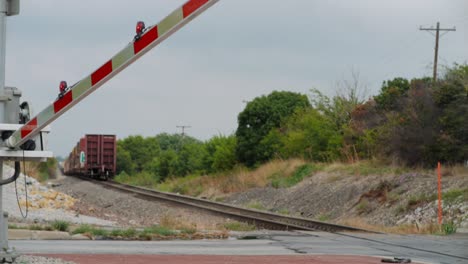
279 180
142 179
238 180
364 168
431 228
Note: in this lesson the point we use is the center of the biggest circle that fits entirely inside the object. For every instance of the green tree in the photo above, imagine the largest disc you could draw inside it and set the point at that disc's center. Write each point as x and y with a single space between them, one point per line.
258 118
165 164
220 153
451 96
307 134
190 158
124 160
141 150
391 93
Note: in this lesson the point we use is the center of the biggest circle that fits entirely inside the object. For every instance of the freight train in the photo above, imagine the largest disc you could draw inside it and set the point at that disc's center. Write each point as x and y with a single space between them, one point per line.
93 156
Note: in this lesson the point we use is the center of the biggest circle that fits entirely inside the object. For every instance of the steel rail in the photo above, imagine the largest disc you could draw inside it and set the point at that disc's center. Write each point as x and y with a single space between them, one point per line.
261 219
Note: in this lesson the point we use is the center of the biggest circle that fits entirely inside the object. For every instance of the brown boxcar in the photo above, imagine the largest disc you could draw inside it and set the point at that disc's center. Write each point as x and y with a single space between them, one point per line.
94 156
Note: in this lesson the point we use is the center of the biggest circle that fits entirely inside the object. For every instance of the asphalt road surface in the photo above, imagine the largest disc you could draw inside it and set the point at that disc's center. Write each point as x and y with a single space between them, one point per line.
427 249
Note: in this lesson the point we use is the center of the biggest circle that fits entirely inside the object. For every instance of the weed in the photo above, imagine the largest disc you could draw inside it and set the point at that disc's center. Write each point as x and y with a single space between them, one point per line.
143 179
401 209
60 225
416 200
452 195
448 197
99 232
13 226
159 230
182 189
392 197
324 217
36 227
255 205
116 233
189 231
145 236
279 180
87 229
167 221
364 168
237 180
363 207
283 211
449 228
431 228
43 177
237 226
84 228
131 232
220 199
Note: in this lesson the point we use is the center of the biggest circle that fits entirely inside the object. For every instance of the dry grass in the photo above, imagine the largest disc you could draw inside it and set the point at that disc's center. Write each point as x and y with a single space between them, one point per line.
363 168
175 223
358 222
457 170
238 180
241 179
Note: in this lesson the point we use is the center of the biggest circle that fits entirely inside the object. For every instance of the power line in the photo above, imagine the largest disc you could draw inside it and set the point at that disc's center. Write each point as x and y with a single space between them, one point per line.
183 129
437 35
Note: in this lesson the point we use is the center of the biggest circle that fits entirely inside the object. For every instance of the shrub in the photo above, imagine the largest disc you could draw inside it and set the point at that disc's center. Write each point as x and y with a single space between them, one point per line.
449 228
278 180
60 225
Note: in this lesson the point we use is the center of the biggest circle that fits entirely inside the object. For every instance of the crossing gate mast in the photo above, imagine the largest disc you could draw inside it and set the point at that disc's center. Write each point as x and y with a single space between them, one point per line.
16 137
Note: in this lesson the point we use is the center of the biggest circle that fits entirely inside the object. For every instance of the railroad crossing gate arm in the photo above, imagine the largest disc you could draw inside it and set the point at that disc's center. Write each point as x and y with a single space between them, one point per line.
137 48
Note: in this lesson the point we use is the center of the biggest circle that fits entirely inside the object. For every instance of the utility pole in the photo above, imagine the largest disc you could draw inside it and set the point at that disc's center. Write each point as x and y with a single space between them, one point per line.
183 129
437 35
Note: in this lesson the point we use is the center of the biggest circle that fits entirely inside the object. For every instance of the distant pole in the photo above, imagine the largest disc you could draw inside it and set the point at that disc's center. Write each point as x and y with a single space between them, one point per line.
436 55
183 129
439 190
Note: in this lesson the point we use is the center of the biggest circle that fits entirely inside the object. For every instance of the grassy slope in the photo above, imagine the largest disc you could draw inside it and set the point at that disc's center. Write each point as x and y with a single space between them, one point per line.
287 177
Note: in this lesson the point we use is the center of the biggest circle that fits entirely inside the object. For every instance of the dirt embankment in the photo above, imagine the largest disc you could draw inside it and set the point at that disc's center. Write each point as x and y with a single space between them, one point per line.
407 198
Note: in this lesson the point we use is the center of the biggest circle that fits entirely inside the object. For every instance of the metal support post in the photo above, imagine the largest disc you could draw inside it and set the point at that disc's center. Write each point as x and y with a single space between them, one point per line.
3 15
7 8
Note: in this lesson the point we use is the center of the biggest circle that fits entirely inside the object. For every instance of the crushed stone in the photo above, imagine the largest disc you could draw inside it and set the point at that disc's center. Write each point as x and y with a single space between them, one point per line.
44 204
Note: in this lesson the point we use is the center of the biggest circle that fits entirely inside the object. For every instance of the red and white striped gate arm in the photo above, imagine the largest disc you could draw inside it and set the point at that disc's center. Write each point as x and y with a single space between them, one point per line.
151 38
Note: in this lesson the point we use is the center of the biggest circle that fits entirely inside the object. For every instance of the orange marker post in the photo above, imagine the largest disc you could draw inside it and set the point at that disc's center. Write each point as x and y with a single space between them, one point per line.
439 188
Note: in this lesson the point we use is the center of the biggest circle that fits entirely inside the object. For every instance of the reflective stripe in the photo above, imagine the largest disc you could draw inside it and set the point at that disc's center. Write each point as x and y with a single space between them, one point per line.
102 72
148 38
192 5
62 102
28 128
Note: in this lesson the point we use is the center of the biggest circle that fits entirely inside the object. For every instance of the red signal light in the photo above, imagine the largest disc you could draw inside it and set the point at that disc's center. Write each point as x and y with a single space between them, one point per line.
140 27
63 86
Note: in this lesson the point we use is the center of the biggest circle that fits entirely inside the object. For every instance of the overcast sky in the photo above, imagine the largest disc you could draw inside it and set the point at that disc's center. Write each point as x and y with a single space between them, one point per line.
234 52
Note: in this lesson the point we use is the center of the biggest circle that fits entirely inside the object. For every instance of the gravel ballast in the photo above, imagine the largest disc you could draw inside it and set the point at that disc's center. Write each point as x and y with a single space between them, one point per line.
130 211
42 207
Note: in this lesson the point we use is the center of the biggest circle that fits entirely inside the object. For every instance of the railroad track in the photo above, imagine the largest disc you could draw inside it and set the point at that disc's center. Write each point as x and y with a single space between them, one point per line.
261 219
